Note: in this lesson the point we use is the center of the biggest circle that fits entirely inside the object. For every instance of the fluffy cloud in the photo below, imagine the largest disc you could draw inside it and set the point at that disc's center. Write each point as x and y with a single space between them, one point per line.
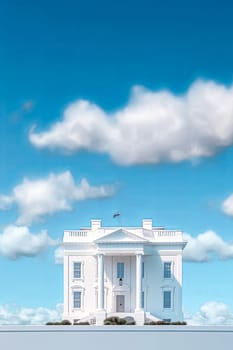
5 202
206 246
227 205
59 255
17 241
153 127
11 315
211 313
46 196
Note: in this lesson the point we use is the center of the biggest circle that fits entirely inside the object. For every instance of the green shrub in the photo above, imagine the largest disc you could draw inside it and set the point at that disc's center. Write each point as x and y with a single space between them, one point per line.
118 321
150 323
60 323
53 323
111 320
66 323
122 321
179 323
130 323
82 323
164 323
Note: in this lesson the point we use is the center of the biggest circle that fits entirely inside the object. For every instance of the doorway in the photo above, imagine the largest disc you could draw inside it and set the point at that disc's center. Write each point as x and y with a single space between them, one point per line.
120 303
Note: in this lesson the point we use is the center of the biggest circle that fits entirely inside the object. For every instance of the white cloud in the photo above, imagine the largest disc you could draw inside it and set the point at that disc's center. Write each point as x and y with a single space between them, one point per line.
59 255
206 246
227 205
12 315
46 196
18 241
211 313
153 127
5 202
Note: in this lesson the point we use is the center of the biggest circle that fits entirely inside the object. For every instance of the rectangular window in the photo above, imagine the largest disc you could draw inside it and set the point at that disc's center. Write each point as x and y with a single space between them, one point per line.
143 299
143 270
120 270
167 299
167 270
77 300
77 269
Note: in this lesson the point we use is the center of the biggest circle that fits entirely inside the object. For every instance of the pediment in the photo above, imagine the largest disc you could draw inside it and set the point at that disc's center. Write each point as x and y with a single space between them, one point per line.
121 236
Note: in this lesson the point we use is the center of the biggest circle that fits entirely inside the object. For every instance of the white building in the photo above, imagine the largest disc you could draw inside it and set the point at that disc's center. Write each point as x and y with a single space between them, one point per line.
123 271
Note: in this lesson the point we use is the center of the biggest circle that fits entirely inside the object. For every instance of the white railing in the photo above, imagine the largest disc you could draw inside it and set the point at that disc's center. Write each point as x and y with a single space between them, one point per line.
74 234
167 235
77 233
86 235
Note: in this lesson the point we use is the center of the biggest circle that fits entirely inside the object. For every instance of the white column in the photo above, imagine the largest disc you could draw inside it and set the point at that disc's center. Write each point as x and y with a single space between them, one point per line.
100 282
138 281
66 306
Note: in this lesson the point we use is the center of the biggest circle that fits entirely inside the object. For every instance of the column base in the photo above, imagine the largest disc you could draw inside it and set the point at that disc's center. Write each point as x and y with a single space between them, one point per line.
100 317
139 316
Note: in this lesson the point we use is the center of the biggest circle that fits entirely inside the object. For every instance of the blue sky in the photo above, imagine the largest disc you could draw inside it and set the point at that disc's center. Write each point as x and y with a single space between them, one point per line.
147 89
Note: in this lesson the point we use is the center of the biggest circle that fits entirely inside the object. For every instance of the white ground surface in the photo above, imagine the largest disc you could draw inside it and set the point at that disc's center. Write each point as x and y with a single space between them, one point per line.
114 337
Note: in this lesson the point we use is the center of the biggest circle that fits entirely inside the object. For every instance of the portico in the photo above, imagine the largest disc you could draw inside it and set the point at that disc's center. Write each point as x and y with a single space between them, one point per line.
121 289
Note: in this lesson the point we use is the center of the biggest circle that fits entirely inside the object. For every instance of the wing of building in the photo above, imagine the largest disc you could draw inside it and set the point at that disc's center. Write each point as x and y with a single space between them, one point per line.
123 271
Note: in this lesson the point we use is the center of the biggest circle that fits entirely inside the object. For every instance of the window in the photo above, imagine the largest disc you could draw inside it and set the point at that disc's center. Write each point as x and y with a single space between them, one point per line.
167 299
77 300
120 270
143 270
167 270
143 300
77 269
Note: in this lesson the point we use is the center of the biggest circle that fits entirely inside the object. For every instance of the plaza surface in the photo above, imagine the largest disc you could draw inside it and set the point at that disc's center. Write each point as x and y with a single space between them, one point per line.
114 337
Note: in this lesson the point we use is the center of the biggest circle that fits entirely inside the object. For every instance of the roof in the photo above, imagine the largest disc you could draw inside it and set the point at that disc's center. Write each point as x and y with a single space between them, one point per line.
122 236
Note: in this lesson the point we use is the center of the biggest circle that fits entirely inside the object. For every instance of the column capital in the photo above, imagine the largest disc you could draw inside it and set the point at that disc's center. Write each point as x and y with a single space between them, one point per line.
139 253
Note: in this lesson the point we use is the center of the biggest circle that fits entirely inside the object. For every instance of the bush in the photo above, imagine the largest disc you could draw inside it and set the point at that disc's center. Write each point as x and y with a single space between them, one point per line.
108 323
66 323
118 321
164 323
122 321
156 323
53 323
130 323
179 323
82 324
61 323
112 320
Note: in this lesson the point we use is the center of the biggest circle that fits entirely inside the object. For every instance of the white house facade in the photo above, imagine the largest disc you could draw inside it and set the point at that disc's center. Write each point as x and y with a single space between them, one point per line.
123 271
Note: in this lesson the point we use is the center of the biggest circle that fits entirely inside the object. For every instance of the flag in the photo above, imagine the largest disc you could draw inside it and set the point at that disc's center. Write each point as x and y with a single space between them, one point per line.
115 215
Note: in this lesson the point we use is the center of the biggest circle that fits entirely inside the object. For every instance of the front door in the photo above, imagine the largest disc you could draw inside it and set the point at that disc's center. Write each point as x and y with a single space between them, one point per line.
120 303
